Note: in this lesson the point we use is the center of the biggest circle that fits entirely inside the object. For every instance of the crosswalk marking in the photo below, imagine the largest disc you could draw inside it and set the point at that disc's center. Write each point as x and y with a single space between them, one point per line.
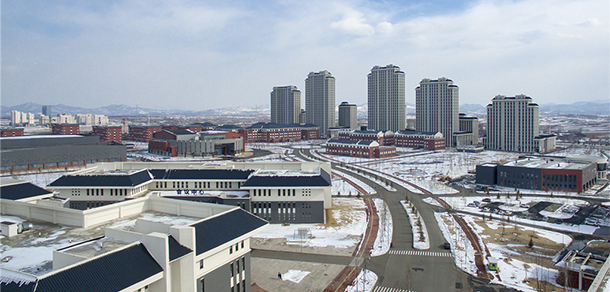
421 253
388 289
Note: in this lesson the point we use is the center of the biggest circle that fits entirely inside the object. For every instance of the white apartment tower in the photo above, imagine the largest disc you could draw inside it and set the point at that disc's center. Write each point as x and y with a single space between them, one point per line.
320 100
512 123
437 108
386 98
285 105
348 115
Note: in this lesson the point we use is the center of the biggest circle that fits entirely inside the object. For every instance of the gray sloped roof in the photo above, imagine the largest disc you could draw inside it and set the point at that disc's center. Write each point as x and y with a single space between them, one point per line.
322 180
218 230
352 142
21 191
176 250
201 173
103 180
111 272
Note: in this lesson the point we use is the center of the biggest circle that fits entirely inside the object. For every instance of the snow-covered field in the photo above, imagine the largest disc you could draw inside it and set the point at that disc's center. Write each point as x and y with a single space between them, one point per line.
367 188
294 275
365 281
418 230
343 188
345 235
385 231
512 272
460 203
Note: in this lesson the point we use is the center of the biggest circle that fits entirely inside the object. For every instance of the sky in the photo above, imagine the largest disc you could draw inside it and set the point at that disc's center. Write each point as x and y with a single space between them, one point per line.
197 55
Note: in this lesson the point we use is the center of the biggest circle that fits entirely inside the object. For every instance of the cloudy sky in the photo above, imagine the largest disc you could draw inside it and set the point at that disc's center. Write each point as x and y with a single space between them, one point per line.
209 54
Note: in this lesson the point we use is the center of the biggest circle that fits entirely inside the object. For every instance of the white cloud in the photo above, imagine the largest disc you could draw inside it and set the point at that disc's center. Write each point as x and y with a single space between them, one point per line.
354 23
384 27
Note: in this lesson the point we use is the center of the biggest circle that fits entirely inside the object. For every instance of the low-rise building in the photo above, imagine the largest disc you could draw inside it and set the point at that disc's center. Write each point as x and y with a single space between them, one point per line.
65 129
171 245
11 132
274 133
570 174
359 148
416 139
142 133
49 152
288 192
108 133
186 143
382 138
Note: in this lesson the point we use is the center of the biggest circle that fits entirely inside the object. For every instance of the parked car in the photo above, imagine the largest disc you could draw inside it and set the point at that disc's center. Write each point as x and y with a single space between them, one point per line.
446 245
486 200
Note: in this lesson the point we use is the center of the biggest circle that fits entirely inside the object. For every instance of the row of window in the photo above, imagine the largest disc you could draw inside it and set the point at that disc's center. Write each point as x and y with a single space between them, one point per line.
196 184
280 192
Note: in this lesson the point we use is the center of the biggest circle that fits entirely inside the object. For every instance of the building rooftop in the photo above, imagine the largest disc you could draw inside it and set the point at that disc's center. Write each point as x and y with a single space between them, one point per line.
15 189
121 178
546 162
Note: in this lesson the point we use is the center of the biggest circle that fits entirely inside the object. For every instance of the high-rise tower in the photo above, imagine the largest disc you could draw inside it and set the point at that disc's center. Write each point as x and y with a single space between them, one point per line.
320 100
437 105
386 98
348 115
285 105
512 124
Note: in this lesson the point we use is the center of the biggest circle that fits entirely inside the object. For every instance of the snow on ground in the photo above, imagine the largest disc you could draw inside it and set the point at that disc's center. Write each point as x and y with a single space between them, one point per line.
41 179
461 248
384 233
294 275
365 281
366 187
369 177
343 188
432 201
513 272
346 235
415 228
460 203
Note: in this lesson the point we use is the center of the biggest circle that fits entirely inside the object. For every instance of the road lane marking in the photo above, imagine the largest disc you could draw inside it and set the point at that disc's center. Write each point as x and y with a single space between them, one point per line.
388 289
421 253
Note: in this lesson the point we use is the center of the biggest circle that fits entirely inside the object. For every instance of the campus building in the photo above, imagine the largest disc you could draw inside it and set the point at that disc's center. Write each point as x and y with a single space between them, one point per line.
320 101
49 152
287 192
348 115
437 108
109 133
285 104
569 174
275 133
512 124
11 132
386 99
171 245
415 139
65 129
359 148
382 138
142 133
186 143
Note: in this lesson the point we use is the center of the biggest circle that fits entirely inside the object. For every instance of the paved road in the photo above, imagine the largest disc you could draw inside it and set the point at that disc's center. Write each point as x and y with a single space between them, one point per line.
415 273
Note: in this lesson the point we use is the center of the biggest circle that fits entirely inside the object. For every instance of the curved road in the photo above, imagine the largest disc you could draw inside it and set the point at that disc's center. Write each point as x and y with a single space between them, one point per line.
412 272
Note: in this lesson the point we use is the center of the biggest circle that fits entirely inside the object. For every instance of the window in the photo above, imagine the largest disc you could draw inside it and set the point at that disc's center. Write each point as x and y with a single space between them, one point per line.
201 264
242 244
231 268
231 249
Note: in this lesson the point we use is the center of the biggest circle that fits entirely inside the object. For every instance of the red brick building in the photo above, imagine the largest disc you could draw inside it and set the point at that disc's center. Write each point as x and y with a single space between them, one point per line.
194 128
414 139
65 129
274 133
142 133
108 133
363 149
383 138
10 132
186 143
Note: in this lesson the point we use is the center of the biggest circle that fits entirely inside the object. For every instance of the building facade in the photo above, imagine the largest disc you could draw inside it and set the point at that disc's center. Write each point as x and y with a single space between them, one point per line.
512 124
285 105
186 143
109 133
348 115
386 99
276 133
65 129
320 101
382 138
415 139
142 133
437 108
11 132
359 148
569 174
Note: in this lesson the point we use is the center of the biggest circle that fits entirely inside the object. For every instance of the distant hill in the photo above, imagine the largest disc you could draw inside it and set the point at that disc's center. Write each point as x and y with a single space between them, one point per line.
125 110
598 107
